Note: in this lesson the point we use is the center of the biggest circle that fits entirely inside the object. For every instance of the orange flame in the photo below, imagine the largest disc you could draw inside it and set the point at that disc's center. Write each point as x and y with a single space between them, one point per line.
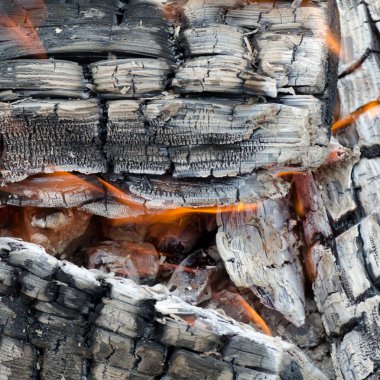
172 215
333 43
255 317
372 108
58 180
25 35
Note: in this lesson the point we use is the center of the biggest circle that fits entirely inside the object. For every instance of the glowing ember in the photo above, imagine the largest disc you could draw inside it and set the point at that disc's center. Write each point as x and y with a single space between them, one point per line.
310 265
24 27
372 109
289 173
52 182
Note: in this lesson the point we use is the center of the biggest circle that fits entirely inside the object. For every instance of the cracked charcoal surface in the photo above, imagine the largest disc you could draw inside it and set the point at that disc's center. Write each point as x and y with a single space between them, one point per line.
194 96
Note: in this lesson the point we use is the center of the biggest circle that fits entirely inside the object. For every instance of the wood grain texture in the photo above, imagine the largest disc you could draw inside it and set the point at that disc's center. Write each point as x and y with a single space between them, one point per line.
346 286
194 96
260 252
106 328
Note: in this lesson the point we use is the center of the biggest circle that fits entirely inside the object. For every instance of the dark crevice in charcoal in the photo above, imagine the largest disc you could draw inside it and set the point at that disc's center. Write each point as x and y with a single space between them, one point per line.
355 194
356 65
39 363
103 130
88 79
169 353
121 12
349 220
332 70
370 151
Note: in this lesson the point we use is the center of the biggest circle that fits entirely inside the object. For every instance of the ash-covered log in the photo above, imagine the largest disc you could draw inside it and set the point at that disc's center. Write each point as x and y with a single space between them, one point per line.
198 90
83 323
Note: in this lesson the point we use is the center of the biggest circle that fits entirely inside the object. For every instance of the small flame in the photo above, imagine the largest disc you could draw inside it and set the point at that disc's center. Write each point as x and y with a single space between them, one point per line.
372 109
333 44
27 34
254 316
173 215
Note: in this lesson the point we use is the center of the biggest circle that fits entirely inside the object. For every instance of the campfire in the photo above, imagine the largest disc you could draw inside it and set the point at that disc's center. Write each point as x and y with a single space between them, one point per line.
189 189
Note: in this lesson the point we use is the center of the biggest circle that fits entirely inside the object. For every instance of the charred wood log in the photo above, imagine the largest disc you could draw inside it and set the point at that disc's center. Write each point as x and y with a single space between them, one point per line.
82 323
209 49
260 252
346 264
139 195
58 319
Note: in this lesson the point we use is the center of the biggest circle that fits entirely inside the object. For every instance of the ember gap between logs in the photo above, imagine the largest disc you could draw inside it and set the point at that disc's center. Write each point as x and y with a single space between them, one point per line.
189 189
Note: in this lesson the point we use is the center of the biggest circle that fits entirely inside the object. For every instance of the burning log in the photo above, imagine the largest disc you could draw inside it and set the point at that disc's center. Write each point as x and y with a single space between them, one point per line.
88 324
346 264
139 195
260 252
177 136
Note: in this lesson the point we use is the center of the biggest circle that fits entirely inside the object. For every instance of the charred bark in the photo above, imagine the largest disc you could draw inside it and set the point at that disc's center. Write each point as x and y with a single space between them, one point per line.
200 93
233 91
61 320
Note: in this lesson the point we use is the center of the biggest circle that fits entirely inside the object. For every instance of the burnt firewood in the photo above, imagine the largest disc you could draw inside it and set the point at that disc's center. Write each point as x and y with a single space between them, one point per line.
310 207
132 330
84 28
238 128
260 251
277 80
130 78
346 264
41 78
335 184
138 195
60 135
